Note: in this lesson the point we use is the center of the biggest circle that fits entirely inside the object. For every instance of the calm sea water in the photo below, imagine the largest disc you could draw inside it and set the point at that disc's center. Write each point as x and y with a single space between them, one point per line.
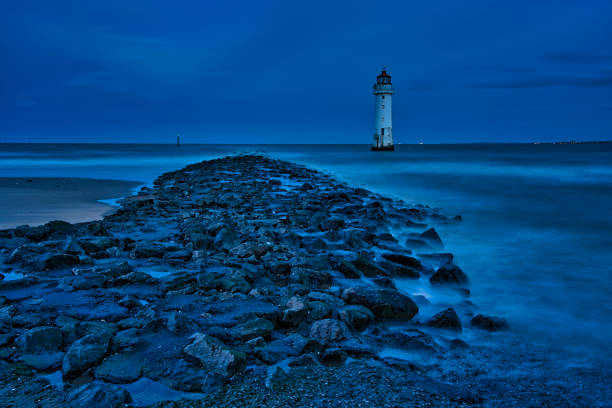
536 238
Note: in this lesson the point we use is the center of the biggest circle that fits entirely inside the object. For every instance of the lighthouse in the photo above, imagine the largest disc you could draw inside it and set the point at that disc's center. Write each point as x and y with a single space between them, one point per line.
383 128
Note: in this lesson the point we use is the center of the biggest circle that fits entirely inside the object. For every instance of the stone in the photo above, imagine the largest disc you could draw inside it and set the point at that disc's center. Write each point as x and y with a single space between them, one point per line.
179 324
88 282
489 323
333 357
257 327
386 304
328 331
120 368
411 339
83 354
42 362
356 317
129 302
449 274
96 395
40 340
55 260
432 238
213 355
446 319
295 312
275 376
404 260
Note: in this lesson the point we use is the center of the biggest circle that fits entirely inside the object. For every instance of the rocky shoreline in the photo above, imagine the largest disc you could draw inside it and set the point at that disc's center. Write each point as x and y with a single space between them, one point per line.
241 281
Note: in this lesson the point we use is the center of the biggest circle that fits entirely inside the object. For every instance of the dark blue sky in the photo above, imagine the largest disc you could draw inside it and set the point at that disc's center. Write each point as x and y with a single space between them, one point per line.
301 72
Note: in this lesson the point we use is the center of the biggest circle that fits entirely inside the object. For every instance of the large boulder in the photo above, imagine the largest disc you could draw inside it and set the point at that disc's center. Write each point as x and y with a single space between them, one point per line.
356 317
215 356
95 395
404 260
120 368
489 323
40 340
329 331
295 312
448 274
432 238
387 304
54 261
446 319
83 354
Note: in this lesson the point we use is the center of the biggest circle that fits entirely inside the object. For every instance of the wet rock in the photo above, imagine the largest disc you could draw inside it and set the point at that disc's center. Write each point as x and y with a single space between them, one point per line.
88 282
412 339
40 340
490 323
295 312
446 319
54 261
328 331
95 395
432 238
333 357
275 376
449 274
400 271
129 302
384 282
404 260
356 317
213 355
368 268
42 362
179 324
83 354
254 328
386 304
120 368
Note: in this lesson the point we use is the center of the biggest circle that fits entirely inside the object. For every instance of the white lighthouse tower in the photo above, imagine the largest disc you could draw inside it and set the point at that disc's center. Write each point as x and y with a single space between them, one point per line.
383 128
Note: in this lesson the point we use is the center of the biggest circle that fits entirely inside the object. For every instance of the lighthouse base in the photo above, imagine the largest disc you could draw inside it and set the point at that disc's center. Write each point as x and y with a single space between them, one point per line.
388 148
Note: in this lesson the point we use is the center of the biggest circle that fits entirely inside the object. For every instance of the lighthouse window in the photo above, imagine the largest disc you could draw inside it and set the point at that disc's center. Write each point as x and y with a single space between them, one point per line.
383 106
383 96
382 131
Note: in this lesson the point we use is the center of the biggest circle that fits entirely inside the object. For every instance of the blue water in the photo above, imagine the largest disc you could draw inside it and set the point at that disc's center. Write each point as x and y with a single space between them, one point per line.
536 239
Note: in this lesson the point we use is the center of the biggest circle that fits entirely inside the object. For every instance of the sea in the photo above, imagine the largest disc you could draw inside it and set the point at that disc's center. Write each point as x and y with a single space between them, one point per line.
536 235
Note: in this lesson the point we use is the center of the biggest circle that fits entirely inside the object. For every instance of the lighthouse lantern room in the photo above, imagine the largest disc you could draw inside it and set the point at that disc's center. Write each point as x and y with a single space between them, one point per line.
383 131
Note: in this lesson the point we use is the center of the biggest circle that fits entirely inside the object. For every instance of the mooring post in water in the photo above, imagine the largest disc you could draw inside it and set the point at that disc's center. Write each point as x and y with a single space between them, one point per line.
178 139
383 127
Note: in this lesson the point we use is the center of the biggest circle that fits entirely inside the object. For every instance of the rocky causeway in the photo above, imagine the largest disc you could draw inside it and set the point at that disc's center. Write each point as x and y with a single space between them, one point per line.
251 281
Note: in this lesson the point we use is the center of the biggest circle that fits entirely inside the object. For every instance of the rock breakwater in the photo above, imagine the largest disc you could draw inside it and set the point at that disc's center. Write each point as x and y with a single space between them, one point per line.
227 270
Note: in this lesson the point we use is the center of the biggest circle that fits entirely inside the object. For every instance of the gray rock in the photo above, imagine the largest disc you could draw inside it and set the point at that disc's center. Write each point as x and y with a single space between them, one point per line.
257 327
356 317
42 362
446 319
333 357
94 395
83 354
404 260
120 368
215 356
449 274
490 323
329 331
386 304
54 261
295 312
179 324
432 238
40 340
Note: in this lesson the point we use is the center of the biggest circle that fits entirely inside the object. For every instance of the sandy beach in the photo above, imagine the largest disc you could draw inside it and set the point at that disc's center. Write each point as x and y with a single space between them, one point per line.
35 201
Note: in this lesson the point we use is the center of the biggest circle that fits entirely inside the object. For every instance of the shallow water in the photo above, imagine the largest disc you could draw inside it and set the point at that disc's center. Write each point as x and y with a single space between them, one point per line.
536 237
